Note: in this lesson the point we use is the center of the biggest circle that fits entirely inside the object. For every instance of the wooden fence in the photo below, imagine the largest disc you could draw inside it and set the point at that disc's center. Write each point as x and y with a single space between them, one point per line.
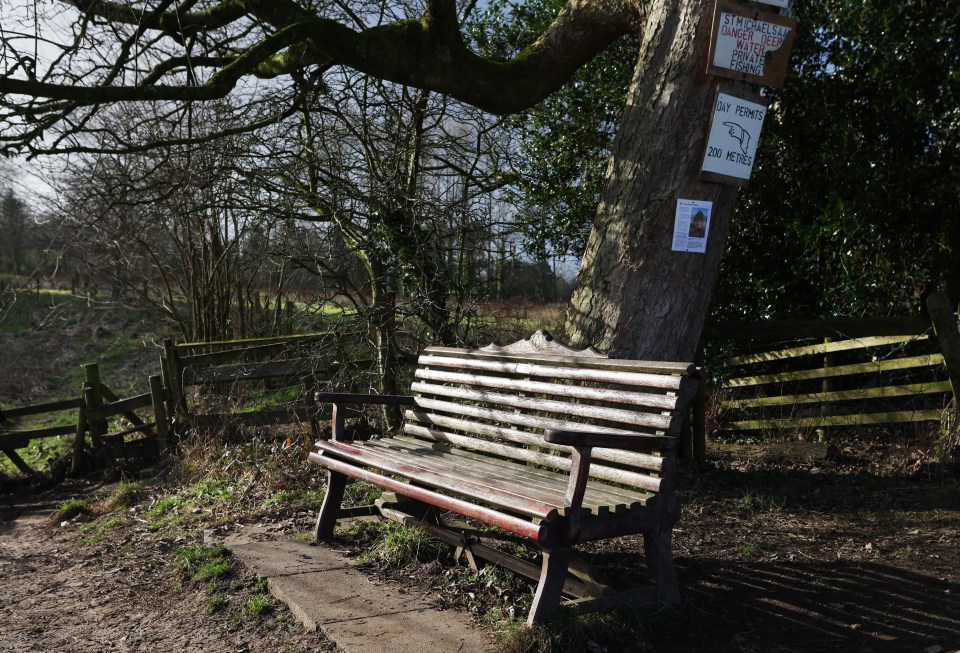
92 413
803 375
215 369
302 364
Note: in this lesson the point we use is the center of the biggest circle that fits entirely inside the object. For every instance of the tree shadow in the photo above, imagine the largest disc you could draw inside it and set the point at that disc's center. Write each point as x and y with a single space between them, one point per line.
811 606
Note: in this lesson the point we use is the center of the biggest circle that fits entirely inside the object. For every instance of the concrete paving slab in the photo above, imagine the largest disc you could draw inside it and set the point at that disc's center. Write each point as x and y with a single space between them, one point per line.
324 590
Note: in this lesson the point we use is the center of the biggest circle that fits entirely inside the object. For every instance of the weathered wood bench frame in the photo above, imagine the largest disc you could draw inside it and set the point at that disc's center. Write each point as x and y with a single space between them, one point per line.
554 445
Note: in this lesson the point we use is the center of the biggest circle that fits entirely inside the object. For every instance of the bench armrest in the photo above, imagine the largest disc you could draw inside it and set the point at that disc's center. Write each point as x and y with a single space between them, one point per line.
357 398
605 440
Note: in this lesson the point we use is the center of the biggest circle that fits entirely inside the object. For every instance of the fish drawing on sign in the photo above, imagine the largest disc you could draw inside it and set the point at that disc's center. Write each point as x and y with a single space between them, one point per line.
740 134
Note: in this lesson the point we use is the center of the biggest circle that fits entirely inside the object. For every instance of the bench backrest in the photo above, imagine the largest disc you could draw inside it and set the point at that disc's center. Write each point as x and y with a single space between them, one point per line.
500 400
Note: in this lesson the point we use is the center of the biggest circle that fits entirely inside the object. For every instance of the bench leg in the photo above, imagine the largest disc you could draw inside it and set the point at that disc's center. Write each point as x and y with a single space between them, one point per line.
553 574
659 549
330 510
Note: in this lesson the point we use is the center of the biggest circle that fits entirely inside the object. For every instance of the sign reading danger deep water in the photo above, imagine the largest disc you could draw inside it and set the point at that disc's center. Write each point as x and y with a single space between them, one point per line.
750 45
734 135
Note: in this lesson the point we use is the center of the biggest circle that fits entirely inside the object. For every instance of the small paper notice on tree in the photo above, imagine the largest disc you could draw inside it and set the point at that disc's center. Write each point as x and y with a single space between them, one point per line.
691 226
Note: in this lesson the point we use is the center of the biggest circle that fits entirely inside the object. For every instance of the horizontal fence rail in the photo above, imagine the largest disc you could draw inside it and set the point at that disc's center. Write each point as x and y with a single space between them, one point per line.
822 374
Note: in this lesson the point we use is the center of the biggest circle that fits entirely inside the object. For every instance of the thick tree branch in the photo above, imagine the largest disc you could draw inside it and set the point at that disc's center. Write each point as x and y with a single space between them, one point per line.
427 53
430 53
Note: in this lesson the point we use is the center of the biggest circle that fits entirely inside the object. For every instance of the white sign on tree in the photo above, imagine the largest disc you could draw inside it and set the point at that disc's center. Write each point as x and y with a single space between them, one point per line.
750 45
734 134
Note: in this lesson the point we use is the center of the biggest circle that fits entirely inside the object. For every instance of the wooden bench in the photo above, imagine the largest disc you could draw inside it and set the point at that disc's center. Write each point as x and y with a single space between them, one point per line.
554 445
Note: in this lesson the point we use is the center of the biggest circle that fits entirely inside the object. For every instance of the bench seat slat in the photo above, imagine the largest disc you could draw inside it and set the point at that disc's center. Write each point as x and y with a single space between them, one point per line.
660 401
437 476
630 458
529 482
633 418
500 478
468 508
600 495
535 457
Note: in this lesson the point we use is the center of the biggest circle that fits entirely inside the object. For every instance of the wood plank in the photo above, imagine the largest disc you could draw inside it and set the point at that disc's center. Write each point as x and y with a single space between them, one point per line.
839 420
823 348
490 516
929 360
251 372
537 483
437 478
661 401
39 409
611 364
246 354
35 434
601 495
882 392
550 371
20 463
507 417
560 408
245 343
255 418
491 475
638 460
121 407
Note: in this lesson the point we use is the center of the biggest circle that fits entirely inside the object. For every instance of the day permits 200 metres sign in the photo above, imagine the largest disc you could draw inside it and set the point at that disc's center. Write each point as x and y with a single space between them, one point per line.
734 134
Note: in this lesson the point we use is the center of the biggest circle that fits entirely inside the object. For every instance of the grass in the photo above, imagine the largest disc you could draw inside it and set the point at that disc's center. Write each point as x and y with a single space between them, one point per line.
97 531
399 546
73 507
204 564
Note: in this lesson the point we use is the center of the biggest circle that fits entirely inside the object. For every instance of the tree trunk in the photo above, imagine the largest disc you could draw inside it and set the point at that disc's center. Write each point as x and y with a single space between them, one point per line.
634 297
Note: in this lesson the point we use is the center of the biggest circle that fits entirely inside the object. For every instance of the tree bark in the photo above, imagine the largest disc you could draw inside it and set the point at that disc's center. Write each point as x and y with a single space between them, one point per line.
634 297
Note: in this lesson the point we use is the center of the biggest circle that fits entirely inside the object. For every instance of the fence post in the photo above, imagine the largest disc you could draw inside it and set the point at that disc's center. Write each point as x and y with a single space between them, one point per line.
699 412
93 398
159 411
944 317
173 378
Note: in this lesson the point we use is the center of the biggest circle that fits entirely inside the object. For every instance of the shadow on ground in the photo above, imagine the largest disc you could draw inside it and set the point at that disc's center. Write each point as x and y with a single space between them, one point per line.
812 606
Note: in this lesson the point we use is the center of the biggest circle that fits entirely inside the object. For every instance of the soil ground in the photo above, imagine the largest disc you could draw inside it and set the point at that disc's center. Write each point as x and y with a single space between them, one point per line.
59 593
825 551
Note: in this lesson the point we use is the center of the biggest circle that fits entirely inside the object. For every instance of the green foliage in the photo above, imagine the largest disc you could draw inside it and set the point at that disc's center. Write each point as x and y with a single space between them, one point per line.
858 173
204 564
398 546
259 605
128 494
73 507
564 142
621 630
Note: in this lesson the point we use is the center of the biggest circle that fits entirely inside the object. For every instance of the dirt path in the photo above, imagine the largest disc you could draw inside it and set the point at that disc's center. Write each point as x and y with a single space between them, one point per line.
58 596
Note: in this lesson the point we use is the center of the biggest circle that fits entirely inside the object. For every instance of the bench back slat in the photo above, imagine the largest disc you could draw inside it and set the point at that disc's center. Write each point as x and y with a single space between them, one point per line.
544 370
662 401
497 402
628 458
593 412
596 361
